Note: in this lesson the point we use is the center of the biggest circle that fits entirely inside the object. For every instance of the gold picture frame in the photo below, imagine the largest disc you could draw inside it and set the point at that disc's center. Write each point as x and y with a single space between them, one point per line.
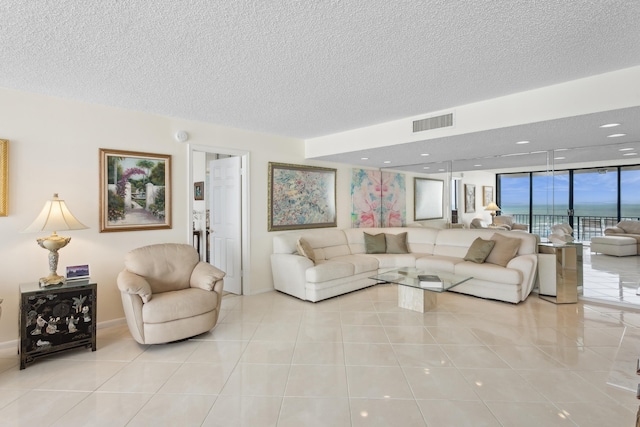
135 191
4 177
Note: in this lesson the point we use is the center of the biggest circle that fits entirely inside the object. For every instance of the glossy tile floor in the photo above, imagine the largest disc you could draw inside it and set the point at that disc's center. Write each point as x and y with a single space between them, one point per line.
611 279
355 360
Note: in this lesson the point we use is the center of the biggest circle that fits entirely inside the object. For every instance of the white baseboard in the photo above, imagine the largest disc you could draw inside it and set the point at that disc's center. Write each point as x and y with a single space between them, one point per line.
100 325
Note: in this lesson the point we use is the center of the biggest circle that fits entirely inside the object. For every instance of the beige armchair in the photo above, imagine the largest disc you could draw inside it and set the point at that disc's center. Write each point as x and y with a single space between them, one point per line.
168 294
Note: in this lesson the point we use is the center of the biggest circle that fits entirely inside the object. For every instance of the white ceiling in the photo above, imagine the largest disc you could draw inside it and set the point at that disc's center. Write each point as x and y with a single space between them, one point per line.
311 68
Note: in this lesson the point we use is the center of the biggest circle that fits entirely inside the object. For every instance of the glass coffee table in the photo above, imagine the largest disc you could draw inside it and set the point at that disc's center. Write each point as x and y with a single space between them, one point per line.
411 295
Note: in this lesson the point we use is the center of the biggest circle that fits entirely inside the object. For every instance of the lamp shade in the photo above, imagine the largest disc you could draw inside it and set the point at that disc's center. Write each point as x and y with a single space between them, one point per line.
55 216
492 207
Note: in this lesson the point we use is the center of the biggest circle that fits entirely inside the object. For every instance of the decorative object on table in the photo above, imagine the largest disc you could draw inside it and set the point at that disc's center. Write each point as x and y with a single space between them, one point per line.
198 190
77 272
301 197
135 191
54 217
378 199
4 177
492 208
429 281
469 198
50 321
428 197
487 195
561 234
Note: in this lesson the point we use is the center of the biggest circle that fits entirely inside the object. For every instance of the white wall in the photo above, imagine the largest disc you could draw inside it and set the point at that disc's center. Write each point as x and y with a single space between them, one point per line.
53 147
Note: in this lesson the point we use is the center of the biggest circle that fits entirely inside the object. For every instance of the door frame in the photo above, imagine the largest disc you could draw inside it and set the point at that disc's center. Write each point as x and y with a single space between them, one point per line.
245 208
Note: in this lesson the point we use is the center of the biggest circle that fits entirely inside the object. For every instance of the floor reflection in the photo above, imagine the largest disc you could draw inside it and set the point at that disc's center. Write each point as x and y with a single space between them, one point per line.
611 279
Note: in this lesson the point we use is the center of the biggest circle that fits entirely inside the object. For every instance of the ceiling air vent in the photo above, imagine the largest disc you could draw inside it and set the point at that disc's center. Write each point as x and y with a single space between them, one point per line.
433 123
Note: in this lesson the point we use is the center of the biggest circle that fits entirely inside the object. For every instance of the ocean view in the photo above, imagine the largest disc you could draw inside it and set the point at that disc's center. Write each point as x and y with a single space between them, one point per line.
584 209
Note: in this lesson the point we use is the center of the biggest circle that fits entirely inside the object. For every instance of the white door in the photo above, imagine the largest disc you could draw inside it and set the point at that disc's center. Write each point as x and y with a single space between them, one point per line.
225 220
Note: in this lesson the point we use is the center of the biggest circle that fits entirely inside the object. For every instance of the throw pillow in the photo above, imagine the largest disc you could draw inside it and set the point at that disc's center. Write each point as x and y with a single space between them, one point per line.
479 250
504 250
305 249
396 243
374 243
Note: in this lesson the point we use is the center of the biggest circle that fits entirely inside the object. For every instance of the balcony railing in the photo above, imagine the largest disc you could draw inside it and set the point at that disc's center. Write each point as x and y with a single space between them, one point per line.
584 227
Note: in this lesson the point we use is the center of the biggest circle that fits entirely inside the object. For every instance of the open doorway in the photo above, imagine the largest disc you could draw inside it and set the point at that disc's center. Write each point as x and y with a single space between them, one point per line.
219 213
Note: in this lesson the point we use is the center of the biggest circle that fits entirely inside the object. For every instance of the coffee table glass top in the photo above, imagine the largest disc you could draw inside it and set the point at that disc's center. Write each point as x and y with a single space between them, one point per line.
408 276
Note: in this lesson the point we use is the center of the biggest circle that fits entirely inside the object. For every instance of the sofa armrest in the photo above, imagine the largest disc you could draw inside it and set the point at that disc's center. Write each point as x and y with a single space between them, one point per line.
613 230
517 226
527 265
133 284
289 274
205 276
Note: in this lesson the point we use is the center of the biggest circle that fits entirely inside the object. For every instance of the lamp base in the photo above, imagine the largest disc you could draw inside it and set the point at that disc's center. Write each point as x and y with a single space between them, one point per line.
52 279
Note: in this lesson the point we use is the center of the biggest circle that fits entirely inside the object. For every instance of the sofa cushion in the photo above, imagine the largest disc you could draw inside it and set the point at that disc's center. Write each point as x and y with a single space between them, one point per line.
489 272
329 270
396 243
479 250
436 263
395 260
375 243
361 263
504 250
172 305
503 221
305 249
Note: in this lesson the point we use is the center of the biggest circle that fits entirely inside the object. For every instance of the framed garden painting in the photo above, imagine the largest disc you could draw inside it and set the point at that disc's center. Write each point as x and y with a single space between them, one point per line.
469 198
4 177
135 191
301 197
428 197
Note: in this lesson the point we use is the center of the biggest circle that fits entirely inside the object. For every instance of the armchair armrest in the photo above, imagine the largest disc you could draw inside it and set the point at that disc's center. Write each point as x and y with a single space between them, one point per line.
517 226
131 283
205 276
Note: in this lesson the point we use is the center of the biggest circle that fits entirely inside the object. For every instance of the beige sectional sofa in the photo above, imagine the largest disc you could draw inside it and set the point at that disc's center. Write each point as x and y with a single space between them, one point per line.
341 264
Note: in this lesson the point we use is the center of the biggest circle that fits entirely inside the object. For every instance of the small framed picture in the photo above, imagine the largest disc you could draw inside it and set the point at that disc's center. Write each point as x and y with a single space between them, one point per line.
198 190
77 272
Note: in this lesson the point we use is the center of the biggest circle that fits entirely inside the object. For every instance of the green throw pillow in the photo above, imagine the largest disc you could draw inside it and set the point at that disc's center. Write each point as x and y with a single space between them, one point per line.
374 243
479 250
396 243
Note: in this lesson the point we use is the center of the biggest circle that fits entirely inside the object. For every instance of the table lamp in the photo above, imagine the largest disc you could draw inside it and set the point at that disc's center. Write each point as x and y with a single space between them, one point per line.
55 216
493 208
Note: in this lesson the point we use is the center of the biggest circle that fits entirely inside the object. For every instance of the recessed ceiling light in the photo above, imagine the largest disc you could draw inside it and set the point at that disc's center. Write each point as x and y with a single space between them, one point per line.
559 158
610 125
630 154
477 166
425 167
387 161
522 142
424 154
561 149
364 158
626 149
616 135
440 170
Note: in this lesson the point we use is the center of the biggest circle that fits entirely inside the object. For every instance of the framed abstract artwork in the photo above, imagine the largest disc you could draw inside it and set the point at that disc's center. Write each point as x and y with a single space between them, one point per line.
135 191
487 195
469 198
301 197
378 199
4 177
428 198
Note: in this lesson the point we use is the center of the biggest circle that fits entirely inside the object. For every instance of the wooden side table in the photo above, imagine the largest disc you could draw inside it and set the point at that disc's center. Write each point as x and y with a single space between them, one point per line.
56 318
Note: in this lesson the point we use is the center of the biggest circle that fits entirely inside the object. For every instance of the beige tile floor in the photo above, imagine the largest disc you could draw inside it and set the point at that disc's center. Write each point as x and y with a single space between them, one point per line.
355 360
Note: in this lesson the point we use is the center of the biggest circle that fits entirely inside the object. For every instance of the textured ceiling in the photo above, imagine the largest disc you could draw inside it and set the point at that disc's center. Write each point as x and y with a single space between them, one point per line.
307 68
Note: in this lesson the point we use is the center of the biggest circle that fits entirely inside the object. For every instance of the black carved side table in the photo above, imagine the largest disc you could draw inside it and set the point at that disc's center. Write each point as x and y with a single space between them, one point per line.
56 318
